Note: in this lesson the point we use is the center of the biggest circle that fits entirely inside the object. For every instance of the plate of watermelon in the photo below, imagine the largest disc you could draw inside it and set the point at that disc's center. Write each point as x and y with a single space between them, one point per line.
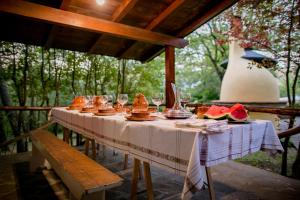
235 114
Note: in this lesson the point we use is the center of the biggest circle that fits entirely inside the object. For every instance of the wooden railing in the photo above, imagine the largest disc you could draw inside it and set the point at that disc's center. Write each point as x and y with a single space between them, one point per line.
26 108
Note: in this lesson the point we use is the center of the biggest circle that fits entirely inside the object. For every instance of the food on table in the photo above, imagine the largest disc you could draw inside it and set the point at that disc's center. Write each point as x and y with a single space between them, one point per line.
77 103
88 109
216 112
236 113
152 110
97 101
140 103
140 110
140 114
200 111
165 110
119 108
106 110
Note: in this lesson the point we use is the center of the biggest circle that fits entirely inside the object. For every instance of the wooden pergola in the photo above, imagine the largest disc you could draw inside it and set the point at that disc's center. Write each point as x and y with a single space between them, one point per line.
125 29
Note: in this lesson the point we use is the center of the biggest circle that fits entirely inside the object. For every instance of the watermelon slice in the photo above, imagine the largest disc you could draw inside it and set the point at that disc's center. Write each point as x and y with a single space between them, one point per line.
216 112
238 113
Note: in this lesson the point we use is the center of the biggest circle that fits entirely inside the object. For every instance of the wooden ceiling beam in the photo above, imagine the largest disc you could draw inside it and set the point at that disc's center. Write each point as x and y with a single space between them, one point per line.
54 29
86 23
117 16
155 22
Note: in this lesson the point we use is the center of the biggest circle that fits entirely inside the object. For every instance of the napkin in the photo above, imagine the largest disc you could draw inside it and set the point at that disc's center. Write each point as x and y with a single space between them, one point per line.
205 126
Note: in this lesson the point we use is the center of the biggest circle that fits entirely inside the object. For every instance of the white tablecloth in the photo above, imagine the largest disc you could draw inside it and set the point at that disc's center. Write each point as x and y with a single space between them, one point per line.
184 151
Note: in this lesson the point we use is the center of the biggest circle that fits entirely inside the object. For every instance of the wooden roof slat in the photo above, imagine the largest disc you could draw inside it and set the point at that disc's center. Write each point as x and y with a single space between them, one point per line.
223 5
163 15
64 5
117 16
122 10
156 21
78 21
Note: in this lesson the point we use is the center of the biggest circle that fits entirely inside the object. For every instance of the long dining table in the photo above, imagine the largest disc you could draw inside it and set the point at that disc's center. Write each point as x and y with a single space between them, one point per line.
185 151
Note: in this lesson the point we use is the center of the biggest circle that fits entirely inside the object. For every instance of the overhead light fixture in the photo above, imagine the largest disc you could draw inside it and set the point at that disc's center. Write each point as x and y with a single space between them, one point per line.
100 2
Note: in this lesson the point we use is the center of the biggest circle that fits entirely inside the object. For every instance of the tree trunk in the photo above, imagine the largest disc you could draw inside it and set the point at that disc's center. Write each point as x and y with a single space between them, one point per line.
118 79
123 76
56 80
73 74
11 115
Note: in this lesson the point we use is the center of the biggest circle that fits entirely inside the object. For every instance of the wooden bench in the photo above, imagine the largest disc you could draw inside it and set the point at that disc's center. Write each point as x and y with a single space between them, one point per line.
85 178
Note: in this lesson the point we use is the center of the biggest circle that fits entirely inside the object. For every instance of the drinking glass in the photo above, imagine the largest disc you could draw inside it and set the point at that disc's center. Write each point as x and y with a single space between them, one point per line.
110 99
185 98
122 99
89 101
158 99
103 100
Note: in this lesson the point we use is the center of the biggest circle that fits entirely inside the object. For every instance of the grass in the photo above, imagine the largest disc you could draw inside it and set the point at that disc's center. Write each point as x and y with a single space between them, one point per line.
270 163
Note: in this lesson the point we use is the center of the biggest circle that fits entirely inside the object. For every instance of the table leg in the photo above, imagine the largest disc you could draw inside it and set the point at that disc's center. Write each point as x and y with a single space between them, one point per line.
70 137
86 146
148 180
93 149
66 136
210 184
103 150
125 162
134 181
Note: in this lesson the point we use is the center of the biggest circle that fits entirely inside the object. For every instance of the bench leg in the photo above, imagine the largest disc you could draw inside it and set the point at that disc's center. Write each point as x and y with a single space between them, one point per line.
134 181
37 159
210 184
87 147
148 180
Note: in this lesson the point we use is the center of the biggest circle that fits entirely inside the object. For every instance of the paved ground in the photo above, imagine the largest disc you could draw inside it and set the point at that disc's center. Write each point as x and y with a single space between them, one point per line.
231 181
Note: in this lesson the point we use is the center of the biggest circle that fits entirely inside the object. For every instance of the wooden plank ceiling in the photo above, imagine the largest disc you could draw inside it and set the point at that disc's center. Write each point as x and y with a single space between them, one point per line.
130 29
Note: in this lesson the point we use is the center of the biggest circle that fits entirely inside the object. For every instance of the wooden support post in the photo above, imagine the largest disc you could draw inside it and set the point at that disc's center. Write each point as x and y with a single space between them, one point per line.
210 184
134 181
148 180
169 75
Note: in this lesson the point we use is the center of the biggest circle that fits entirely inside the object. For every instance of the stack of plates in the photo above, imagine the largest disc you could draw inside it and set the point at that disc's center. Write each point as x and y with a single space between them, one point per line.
140 116
105 112
88 110
177 114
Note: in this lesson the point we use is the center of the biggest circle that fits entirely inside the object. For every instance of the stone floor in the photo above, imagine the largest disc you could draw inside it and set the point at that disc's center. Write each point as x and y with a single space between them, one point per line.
232 181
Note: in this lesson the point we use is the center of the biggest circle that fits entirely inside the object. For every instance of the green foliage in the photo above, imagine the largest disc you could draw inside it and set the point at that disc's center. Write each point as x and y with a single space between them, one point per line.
198 69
